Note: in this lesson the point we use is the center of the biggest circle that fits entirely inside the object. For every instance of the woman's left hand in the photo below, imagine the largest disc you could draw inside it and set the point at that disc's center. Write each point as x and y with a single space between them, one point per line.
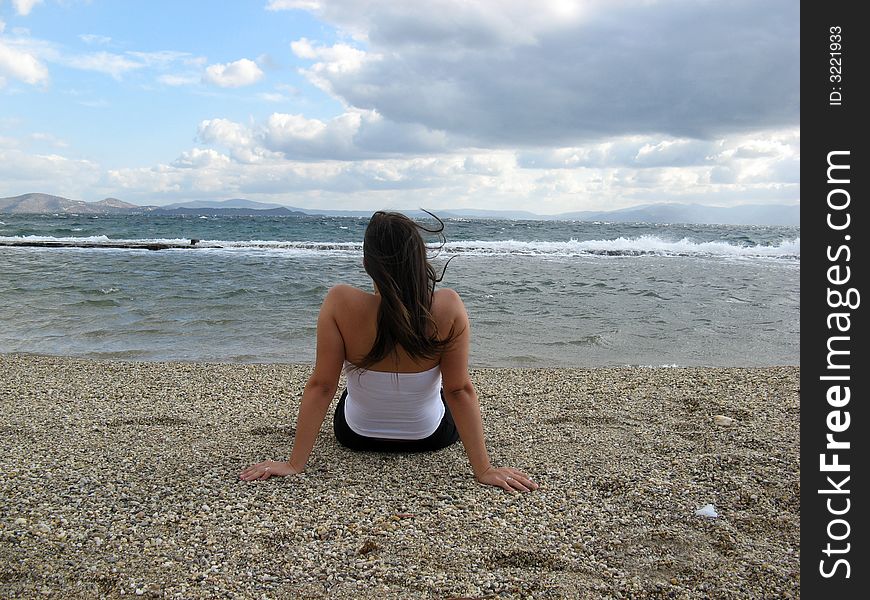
266 469
509 479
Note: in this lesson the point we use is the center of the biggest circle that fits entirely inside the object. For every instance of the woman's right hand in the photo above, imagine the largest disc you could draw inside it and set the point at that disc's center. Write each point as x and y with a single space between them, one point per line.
509 479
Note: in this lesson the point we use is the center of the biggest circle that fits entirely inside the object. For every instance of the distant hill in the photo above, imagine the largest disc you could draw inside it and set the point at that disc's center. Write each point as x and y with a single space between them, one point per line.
517 215
46 203
281 211
233 203
748 214
651 213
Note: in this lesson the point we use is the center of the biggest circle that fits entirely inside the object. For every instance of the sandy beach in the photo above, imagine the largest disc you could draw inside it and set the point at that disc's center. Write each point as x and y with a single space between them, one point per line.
121 478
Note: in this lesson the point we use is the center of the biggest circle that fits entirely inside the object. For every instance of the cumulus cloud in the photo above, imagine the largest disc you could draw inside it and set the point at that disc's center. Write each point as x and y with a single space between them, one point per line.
629 151
198 158
22 65
337 59
23 7
333 62
235 74
478 178
238 139
353 135
20 170
202 171
524 73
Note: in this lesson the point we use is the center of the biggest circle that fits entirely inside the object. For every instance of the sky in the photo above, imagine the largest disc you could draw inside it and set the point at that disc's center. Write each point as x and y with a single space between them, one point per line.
548 106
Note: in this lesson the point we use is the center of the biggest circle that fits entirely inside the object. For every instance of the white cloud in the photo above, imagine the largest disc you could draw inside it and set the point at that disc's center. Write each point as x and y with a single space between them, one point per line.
2 25
339 58
178 80
464 178
225 132
311 5
25 6
49 139
95 103
115 65
272 97
235 74
283 128
199 158
353 135
50 173
165 58
91 38
237 138
333 61
22 65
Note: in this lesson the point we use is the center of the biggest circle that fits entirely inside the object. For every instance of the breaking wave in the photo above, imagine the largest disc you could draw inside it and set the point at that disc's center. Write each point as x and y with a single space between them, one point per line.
622 246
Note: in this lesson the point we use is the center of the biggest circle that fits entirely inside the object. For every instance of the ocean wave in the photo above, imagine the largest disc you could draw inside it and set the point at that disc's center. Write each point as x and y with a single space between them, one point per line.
639 246
622 246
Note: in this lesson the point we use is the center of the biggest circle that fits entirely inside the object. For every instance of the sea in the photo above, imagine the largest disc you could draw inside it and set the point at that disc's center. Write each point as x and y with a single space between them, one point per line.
538 293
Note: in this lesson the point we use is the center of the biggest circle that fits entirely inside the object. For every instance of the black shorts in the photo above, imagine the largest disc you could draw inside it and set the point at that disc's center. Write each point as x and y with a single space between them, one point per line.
442 437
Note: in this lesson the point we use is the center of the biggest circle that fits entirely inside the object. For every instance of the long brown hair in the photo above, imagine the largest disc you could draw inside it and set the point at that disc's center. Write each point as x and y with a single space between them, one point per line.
395 257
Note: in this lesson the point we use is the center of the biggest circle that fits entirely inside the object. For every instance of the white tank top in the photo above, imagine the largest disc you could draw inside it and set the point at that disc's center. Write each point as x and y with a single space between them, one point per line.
398 406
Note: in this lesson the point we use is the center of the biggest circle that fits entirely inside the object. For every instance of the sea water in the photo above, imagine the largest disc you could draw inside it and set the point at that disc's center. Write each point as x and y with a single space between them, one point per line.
539 293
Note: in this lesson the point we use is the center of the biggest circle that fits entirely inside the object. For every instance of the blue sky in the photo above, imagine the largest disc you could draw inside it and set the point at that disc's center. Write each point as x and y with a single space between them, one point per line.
547 106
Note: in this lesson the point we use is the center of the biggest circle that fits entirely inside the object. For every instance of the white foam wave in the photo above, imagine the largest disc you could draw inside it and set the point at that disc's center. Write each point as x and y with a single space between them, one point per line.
45 238
92 239
622 246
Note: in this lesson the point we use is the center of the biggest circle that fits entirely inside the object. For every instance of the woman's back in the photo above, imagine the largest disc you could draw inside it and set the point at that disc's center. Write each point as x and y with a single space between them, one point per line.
357 315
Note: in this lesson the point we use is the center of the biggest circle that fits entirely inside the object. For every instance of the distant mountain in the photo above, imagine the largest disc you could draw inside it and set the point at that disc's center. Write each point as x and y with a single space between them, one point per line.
516 215
233 203
747 214
46 203
281 211
650 213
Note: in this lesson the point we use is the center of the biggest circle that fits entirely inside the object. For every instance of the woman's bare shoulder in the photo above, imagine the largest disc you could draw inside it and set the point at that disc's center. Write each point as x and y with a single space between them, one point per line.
344 289
446 295
345 294
447 301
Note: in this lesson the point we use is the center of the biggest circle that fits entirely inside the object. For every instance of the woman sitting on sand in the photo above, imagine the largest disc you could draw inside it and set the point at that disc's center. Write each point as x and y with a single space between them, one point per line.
404 350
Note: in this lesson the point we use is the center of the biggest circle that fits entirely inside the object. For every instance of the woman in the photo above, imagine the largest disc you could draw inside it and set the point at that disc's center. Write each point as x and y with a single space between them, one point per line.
404 349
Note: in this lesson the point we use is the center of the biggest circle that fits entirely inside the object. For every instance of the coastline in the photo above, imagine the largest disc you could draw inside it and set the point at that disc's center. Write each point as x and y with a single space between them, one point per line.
122 478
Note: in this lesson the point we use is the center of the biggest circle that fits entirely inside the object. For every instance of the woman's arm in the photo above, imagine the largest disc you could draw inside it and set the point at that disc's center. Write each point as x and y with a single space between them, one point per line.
316 397
462 400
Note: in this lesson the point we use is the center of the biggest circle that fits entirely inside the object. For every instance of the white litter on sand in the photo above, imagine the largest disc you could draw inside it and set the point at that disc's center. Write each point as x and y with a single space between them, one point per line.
708 510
